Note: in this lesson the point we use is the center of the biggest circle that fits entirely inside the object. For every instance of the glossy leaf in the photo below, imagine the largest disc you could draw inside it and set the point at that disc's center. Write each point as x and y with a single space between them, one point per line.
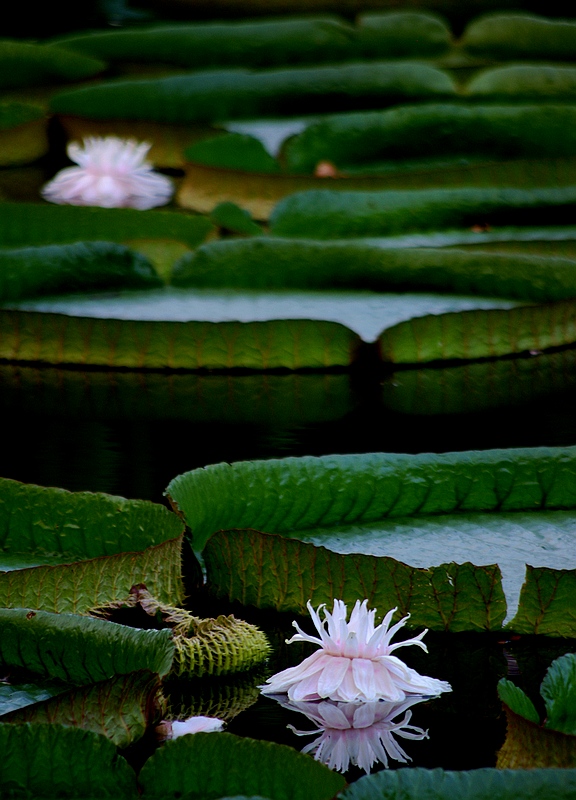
120 708
352 523
48 761
64 551
26 224
80 650
233 151
193 764
479 784
233 94
268 263
328 214
73 267
62 339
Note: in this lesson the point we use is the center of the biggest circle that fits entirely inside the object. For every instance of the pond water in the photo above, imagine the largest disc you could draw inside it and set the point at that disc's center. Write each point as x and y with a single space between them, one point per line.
130 433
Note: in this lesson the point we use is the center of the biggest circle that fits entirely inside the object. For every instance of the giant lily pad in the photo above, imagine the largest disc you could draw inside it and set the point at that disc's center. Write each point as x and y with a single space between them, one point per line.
421 533
480 784
67 552
193 764
519 35
231 94
48 761
23 133
80 650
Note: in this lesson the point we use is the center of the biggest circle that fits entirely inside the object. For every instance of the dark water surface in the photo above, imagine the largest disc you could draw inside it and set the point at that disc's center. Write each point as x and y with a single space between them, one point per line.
129 433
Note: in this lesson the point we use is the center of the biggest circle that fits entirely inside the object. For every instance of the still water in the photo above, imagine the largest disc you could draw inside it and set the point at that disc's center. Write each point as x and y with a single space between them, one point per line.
129 433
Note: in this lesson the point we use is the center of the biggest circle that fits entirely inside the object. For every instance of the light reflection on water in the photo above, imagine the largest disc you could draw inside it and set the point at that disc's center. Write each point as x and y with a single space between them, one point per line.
357 734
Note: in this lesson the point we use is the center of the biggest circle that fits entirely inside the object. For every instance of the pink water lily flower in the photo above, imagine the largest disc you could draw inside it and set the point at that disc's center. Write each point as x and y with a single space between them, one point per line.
355 662
111 173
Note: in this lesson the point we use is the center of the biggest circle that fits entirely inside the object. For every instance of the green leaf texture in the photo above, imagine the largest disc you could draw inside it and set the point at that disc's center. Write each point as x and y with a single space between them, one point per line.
230 94
513 36
478 784
559 692
27 224
268 263
67 552
356 522
480 334
517 700
80 650
73 267
193 765
270 42
62 339
326 214
120 708
506 131
48 761
24 64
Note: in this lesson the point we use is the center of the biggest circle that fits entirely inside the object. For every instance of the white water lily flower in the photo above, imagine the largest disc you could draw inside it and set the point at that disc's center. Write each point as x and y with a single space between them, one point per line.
195 725
354 662
112 173
358 734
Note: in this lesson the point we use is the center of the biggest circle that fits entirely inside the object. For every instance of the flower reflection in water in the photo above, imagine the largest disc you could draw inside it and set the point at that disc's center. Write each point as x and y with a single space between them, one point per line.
358 734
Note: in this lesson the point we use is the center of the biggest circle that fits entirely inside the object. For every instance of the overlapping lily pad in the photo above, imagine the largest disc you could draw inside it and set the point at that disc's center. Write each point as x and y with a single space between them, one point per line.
350 526
67 552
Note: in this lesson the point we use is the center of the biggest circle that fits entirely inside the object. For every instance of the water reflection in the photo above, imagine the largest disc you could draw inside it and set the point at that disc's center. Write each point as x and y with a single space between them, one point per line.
357 734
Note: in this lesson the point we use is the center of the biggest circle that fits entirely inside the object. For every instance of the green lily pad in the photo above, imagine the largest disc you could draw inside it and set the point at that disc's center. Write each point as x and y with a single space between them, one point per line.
80 650
497 132
72 267
525 82
24 64
48 761
14 697
331 215
64 551
240 94
350 526
193 764
478 784
514 36
26 224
